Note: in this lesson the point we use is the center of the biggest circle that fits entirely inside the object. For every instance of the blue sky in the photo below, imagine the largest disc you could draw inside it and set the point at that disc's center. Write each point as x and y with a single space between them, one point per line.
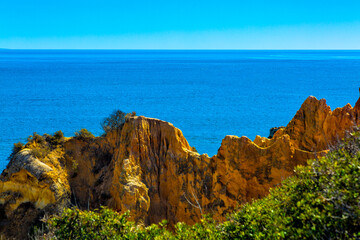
172 24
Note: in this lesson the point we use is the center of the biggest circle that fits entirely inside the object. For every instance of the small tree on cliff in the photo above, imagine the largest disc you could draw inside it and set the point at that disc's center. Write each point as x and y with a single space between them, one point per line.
115 121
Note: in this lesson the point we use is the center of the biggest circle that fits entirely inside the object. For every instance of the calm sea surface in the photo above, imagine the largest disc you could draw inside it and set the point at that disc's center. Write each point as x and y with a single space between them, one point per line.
207 94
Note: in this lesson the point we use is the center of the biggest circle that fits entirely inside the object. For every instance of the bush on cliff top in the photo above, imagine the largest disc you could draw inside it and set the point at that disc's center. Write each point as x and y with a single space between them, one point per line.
16 148
40 146
56 139
320 202
115 121
84 134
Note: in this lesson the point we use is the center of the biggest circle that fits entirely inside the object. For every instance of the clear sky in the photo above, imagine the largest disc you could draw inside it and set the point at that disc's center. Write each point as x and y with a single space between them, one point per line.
186 24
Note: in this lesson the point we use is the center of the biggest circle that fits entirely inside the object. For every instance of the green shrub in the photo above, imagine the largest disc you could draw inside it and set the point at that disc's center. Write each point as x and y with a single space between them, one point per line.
98 224
40 151
84 134
36 138
41 146
115 121
16 148
207 228
56 139
107 224
59 135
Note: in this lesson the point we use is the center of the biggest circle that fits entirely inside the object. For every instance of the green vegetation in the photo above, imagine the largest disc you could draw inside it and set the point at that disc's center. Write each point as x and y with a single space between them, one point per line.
16 148
55 140
40 146
84 134
320 202
115 121
108 224
102 224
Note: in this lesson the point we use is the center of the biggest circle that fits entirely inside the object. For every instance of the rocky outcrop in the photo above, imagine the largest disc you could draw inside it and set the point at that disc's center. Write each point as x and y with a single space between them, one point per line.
149 168
29 188
315 126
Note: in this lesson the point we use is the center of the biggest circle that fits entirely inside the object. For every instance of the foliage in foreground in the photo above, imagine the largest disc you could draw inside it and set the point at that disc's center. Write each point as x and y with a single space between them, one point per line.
320 202
108 224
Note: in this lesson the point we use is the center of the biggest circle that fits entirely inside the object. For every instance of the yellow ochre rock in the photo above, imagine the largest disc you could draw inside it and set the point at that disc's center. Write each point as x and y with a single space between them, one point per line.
149 168
28 187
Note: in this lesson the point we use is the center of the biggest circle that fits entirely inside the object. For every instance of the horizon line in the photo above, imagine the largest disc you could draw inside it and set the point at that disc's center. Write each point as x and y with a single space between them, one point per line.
187 49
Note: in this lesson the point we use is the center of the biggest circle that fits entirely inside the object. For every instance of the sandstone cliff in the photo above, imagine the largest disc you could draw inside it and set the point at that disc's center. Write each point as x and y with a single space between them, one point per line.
149 168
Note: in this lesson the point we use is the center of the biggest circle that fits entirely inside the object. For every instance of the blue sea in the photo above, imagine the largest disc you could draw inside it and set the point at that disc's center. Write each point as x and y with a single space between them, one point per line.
206 94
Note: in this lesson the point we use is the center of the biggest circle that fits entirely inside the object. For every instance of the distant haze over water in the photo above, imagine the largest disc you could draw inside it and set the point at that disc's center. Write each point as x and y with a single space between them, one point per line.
206 94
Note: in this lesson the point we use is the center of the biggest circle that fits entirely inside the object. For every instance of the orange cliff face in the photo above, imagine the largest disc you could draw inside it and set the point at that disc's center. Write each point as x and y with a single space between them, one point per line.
149 168
315 126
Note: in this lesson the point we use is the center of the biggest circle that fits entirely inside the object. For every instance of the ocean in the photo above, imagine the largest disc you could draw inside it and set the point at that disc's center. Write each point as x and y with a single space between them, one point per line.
207 94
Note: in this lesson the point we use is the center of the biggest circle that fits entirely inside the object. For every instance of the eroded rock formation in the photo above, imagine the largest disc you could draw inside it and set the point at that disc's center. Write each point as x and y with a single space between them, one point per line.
149 168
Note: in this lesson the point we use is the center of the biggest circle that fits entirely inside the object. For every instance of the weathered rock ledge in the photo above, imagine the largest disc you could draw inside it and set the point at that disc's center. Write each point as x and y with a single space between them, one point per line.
149 168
